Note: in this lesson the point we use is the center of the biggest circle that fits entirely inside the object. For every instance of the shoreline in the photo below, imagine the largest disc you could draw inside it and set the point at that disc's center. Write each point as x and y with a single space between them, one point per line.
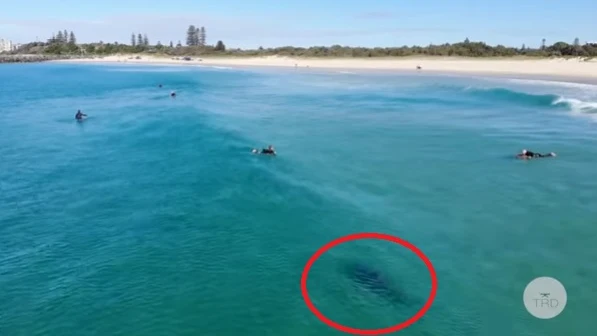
575 69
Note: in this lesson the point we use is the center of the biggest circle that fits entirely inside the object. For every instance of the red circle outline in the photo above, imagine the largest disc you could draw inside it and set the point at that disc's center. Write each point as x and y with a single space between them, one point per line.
369 235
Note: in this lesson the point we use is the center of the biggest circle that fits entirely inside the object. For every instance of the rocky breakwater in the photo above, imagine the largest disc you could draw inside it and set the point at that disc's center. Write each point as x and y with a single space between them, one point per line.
32 58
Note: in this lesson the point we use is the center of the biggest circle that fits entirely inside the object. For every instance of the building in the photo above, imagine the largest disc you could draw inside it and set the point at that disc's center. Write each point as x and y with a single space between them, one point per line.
5 45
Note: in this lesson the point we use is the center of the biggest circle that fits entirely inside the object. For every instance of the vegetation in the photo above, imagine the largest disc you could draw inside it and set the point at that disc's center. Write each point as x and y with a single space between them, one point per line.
61 43
196 36
65 43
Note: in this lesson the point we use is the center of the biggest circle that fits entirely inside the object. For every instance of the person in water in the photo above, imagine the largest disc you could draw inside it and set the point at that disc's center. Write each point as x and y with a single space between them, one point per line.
79 115
160 85
269 150
526 154
173 94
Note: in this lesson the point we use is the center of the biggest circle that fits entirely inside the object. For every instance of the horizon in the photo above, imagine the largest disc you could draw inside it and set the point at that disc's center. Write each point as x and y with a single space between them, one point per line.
308 23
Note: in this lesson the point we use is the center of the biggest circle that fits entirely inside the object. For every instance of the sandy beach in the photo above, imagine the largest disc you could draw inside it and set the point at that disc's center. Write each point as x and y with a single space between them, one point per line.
561 67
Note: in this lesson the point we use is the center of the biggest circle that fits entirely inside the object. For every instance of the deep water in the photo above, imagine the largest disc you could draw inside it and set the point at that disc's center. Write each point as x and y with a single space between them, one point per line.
152 217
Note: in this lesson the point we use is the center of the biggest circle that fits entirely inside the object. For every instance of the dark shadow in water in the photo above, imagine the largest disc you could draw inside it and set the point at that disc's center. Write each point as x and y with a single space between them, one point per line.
372 280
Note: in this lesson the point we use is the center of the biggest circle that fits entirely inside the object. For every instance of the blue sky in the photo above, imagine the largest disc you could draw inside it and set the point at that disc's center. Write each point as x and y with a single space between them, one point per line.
268 23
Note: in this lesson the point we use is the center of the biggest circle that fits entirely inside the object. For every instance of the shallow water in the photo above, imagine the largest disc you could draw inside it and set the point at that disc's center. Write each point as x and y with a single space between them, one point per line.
152 217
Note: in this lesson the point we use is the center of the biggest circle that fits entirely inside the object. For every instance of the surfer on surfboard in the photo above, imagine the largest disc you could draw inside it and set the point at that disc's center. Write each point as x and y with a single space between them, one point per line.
80 115
526 155
268 151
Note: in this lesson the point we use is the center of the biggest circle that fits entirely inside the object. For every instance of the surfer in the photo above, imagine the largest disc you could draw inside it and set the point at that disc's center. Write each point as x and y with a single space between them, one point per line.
79 115
526 155
160 85
269 151
173 94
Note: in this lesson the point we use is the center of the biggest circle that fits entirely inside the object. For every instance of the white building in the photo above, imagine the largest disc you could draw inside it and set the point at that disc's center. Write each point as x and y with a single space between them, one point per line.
5 45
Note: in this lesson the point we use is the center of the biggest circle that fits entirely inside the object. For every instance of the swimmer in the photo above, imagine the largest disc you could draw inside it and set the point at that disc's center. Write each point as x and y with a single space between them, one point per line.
79 115
269 151
173 94
160 85
526 155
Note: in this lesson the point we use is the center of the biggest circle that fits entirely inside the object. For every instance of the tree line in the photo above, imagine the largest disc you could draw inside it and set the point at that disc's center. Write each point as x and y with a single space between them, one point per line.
466 48
62 43
139 40
63 37
196 37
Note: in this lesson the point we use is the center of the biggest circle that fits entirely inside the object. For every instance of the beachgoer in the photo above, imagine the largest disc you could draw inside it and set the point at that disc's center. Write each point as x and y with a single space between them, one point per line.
173 94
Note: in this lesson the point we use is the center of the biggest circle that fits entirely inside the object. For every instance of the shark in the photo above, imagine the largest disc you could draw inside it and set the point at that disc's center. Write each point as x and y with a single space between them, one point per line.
372 280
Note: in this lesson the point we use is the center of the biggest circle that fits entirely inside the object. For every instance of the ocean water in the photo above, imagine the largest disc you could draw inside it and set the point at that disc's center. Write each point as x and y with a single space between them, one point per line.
152 217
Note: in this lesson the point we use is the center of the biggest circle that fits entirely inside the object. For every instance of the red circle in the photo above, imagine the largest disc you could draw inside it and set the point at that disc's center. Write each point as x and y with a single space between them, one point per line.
369 235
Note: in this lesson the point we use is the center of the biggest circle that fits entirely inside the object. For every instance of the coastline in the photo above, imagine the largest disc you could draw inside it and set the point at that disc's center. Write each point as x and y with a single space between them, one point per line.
572 69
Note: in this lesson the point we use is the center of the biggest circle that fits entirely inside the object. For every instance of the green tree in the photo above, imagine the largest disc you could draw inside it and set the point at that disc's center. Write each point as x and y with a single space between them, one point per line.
72 40
191 35
576 42
145 40
59 37
65 36
133 40
542 44
178 45
139 39
109 49
202 37
171 45
220 46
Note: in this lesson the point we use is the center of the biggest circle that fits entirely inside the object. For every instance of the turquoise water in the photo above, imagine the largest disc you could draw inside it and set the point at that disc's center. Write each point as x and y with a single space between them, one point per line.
153 218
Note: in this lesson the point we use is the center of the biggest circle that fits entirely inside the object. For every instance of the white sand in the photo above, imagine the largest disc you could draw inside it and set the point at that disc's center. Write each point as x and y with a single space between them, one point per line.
514 66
